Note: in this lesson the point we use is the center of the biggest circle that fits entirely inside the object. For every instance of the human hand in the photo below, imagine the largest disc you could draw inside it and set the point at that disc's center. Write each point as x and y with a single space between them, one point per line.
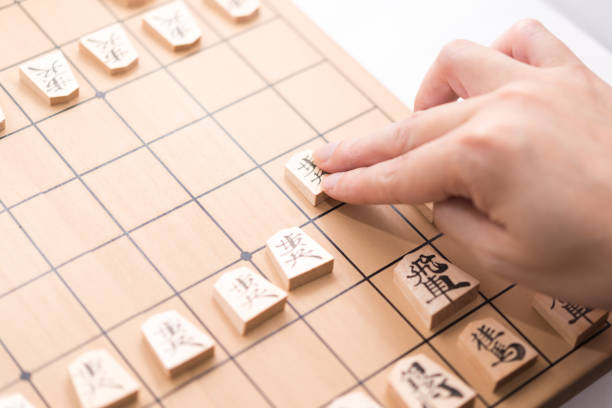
520 171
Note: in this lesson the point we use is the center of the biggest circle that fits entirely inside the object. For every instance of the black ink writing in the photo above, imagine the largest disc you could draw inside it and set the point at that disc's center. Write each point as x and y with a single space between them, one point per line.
488 339
295 248
575 312
428 387
430 274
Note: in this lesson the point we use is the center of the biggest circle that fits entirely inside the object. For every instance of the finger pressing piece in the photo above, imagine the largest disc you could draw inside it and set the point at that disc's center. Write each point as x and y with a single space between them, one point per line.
465 69
530 42
425 174
395 139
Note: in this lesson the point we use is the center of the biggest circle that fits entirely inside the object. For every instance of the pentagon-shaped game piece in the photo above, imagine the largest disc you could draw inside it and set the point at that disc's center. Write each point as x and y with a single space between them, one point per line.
247 298
50 76
112 48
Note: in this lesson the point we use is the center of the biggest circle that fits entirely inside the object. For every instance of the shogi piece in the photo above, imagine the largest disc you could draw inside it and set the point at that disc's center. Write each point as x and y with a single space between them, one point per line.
433 286
247 298
100 382
575 323
495 350
176 342
51 77
427 210
15 401
112 48
417 381
354 400
174 25
301 171
2 120
238 10
297 257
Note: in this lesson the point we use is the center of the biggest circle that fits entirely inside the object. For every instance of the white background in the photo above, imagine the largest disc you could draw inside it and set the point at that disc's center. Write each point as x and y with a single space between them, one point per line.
397 40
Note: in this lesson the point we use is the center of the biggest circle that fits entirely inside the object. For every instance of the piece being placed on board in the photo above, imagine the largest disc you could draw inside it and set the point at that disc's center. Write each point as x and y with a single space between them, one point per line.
306 176
427 210
2 120
297 257
50 76
100 382
112 48
15 401
355 399
495 350
247 298
433 286
238 10
417 381
174 25
177 343
575 323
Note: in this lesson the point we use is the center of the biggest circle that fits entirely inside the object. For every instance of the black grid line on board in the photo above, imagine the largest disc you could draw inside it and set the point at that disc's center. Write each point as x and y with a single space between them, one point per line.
258 166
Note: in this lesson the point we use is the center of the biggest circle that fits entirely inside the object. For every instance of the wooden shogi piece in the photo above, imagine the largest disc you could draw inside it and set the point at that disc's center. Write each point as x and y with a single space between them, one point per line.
174 25
238 10
177 344
15 401
51 77
426 210
494 349
247 298
575 323
2 120
355 399
433 286
112 48
298 258
306 177
417 381
100 382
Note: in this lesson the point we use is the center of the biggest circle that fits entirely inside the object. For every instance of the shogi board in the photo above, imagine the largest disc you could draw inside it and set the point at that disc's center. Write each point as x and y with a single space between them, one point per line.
134 197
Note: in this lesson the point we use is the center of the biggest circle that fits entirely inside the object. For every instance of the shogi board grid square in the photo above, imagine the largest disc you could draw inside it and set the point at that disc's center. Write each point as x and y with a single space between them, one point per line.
111 212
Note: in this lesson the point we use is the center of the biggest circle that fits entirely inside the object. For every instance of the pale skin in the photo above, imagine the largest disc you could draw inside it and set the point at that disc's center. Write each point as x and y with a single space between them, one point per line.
520 171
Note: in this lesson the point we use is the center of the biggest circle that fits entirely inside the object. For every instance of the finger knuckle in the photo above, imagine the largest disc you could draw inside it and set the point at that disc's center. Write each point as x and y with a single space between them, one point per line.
527 26
453 51
521 92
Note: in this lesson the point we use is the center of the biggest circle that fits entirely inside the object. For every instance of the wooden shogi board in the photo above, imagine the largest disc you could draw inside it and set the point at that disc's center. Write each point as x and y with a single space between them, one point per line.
133 198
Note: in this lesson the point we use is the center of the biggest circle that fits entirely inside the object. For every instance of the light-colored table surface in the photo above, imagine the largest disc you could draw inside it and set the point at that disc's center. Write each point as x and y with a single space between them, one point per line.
397 40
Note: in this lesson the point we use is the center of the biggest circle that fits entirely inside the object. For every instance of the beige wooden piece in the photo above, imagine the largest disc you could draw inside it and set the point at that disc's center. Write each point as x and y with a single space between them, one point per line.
427 210
354 400
112 48
177 344
174 25
247 298
2 120
306 176
493 348
100 382
51 77
575 323
15 401
298 258
417 381
237 10
435 287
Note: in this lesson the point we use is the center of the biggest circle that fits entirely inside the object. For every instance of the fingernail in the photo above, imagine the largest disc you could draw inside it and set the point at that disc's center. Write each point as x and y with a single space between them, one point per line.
322 154
330 181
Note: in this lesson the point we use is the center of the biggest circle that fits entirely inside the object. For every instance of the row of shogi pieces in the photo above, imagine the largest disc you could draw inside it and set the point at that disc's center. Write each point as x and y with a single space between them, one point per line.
50 75
435 288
